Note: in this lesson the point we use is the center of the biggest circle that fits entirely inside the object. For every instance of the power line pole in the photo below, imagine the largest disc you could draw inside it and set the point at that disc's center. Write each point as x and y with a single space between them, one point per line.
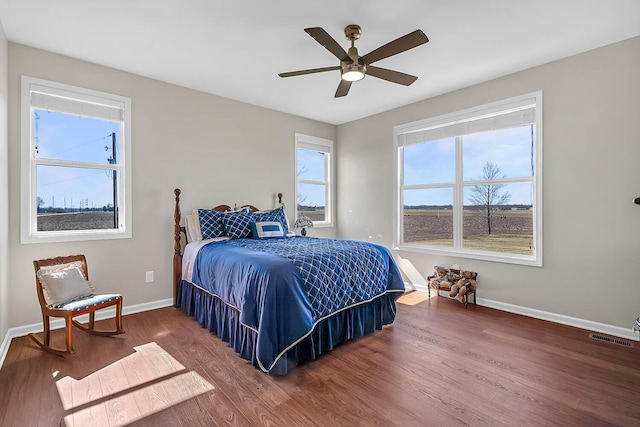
115 181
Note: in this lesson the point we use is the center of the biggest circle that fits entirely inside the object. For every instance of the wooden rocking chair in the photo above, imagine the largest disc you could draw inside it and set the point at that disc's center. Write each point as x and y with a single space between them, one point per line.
64 291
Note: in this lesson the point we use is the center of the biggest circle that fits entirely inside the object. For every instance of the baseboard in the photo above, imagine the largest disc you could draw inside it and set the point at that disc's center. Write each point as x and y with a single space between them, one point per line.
108 313
5 347
588 325
416 287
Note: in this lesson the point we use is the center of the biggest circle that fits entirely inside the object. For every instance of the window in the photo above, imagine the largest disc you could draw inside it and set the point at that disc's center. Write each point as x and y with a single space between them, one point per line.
314 195
75 163
469 183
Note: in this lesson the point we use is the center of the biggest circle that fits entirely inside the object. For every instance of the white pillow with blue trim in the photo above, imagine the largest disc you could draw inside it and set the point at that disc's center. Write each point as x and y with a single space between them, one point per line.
277 214
267 230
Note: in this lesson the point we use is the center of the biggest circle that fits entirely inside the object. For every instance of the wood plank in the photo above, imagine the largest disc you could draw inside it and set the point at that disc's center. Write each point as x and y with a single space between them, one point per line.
438 364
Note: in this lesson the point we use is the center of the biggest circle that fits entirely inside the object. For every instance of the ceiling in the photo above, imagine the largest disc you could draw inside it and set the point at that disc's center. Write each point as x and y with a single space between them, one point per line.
236 48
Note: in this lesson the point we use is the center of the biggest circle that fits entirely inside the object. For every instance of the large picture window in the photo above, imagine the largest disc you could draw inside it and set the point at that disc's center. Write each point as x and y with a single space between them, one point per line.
314 196
75 163
469 183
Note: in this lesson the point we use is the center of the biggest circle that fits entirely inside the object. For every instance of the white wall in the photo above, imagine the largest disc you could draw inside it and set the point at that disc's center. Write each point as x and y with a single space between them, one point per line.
215 149
4 191
221 151
591 174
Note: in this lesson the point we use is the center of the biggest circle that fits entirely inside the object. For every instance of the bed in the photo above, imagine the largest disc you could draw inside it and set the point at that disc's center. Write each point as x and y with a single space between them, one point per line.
277 298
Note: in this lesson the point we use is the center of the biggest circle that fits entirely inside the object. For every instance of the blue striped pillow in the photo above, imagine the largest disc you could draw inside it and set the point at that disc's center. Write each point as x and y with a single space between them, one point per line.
267 230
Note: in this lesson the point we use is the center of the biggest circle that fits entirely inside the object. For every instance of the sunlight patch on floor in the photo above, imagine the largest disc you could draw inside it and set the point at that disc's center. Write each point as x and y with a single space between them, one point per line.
136 386
413 297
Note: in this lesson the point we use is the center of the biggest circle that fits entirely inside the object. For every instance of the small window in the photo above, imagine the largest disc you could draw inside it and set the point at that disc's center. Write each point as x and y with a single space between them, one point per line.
75 163
469 183
313 179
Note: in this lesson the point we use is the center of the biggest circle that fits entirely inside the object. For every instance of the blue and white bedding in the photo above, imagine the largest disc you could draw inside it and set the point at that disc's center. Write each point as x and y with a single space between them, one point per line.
282 288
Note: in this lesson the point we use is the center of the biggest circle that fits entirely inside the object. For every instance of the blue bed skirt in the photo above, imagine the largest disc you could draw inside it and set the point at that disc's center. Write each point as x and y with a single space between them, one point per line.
223 321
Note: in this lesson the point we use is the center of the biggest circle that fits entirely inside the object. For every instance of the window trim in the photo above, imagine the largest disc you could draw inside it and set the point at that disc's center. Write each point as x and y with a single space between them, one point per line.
28 205
314 143
460 117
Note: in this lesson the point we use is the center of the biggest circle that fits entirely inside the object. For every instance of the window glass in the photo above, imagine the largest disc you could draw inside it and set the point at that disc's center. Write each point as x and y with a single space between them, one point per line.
71 198
428 216
312 201
311 165
66 137
468 183
313 179
75 163
499 218
430 162
513 150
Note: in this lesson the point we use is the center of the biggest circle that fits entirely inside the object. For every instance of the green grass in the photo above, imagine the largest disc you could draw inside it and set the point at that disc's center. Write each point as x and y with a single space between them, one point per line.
509 243
495 243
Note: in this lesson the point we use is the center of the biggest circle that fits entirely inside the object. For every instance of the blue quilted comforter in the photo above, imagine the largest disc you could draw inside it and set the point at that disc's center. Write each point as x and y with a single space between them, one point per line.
284 287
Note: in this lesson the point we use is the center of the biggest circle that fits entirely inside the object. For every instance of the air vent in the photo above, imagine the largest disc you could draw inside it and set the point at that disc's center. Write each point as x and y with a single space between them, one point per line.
611 340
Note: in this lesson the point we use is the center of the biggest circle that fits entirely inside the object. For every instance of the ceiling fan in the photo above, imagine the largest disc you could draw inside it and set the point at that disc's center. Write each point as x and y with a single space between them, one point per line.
354 67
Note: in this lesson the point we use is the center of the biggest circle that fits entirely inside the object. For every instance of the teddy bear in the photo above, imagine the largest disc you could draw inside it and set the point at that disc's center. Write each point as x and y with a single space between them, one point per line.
439 276
467 282
443 278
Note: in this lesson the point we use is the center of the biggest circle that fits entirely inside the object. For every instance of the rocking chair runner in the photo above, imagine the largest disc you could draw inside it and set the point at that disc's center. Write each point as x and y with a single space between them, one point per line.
64 291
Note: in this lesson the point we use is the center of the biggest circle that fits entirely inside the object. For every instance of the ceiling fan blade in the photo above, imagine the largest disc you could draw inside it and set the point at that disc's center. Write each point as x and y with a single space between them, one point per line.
322 37
310 71
390 75
343 88
396 46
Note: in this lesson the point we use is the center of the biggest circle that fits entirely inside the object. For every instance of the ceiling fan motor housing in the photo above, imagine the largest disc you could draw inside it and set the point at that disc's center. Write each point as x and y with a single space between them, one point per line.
352 32
356 69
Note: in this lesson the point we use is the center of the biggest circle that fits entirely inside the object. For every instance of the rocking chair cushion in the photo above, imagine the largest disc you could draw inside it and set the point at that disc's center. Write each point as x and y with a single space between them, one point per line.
64 284
90 301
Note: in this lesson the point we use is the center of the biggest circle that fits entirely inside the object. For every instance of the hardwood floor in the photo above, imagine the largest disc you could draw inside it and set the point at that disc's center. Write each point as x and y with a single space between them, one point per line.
437 365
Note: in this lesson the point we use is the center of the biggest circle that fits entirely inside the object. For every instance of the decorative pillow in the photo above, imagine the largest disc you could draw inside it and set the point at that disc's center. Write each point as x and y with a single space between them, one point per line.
65 283
267 229
238 224
277 215
210 224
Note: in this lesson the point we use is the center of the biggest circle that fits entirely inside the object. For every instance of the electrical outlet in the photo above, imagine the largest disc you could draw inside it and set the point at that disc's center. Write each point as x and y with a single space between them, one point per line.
456 266
149 276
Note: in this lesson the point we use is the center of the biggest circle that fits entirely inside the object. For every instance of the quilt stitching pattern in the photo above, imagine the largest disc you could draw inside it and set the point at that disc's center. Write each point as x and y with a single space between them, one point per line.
336 273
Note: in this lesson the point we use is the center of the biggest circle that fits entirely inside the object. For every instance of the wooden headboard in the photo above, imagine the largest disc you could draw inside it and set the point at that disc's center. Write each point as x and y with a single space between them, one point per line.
180 230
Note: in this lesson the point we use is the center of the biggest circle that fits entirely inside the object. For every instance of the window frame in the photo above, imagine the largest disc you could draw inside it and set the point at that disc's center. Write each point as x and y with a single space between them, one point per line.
459 119
28 204
314 143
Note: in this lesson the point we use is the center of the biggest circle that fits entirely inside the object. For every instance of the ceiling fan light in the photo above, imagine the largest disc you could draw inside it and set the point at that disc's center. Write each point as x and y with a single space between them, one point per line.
353 72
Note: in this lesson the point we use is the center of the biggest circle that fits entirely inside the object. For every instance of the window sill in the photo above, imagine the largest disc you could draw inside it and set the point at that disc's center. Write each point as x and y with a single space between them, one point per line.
58 237
525 260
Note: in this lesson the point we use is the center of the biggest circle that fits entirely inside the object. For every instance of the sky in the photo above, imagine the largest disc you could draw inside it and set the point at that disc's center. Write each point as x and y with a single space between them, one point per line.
66 137
311 166
434 162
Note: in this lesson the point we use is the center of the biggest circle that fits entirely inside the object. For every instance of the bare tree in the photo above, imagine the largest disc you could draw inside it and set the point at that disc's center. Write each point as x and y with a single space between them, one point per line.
301 198
488 196
39 202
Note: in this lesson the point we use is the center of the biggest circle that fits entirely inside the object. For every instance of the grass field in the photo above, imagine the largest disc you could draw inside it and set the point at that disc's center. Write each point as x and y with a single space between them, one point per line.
316 215
88 220
512 230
